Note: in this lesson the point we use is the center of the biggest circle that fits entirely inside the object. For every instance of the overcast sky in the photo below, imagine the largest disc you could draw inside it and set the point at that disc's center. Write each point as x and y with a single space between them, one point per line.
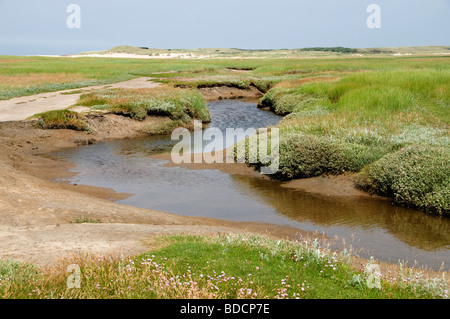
39 26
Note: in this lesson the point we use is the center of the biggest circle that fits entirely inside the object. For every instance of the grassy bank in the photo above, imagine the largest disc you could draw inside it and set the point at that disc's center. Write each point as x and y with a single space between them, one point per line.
234 266
390 124
179 105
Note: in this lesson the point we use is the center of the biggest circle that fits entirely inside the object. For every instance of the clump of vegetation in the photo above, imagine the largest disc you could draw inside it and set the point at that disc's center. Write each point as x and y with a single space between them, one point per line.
284 101
61 119
224 267
303 156
416 175
86 220
179 105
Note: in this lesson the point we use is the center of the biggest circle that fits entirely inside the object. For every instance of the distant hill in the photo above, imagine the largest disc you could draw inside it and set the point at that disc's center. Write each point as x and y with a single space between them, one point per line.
144 51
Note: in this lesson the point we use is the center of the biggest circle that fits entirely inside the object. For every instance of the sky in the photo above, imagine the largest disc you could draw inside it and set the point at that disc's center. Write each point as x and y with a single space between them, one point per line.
32 27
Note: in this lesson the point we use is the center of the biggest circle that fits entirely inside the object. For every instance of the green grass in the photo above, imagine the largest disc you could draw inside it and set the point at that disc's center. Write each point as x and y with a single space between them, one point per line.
164 128
234 266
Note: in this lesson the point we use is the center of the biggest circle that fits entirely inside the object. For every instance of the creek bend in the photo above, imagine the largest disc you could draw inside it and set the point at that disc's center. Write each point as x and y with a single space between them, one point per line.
373 226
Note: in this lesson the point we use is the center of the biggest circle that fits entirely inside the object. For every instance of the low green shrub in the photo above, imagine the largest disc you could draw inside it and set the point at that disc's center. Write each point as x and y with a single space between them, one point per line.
307 155
318 110
416 176
303 156
263 85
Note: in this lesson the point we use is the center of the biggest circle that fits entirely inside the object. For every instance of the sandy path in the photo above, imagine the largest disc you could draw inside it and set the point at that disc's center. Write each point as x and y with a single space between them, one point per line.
20 108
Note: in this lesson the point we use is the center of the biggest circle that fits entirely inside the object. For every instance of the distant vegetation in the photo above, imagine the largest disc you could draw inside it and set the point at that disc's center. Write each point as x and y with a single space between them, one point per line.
271 53
332 49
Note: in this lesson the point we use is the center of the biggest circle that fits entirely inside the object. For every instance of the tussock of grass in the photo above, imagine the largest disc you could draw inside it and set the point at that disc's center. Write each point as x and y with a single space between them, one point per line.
232 267
61 119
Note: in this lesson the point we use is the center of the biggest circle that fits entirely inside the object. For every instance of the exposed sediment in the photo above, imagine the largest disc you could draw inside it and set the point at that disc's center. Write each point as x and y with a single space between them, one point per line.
223 92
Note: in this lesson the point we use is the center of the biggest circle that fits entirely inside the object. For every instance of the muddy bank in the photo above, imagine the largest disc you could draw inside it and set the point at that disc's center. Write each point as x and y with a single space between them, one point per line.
223 92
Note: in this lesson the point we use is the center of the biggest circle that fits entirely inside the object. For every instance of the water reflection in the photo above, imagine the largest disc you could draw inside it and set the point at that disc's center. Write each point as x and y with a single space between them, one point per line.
411 227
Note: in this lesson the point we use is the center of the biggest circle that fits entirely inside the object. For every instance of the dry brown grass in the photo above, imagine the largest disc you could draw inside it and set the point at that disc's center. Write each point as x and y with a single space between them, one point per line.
12 60
34 79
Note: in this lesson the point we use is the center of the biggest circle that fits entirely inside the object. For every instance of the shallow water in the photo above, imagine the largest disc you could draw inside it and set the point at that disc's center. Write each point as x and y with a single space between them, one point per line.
375 227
